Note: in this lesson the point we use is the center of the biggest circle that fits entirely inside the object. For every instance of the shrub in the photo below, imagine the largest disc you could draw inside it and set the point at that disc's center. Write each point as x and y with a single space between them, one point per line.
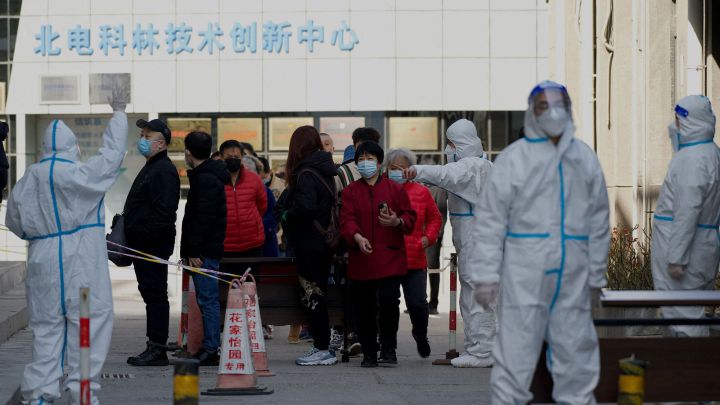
629 261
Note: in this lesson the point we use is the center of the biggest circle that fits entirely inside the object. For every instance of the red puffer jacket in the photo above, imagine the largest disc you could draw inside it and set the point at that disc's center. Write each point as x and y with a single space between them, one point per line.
428 224
246 204
360 214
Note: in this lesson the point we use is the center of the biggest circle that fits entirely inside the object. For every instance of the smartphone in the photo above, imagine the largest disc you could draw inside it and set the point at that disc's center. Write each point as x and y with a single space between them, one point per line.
383 207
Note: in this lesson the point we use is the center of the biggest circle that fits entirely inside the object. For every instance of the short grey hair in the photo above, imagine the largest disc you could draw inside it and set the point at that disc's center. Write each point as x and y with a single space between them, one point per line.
400 152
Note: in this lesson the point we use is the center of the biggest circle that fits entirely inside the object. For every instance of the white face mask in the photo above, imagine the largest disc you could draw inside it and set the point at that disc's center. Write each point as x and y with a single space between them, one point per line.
553 121
451 154
674 135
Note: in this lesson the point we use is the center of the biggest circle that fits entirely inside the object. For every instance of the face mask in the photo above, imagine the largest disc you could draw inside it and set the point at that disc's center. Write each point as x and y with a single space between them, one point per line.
553 121
674 136
144 147
451 154
233 164
396 176
367 168
267 181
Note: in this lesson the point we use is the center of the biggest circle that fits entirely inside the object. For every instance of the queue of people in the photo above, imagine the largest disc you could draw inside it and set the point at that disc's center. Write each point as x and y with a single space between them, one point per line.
531 232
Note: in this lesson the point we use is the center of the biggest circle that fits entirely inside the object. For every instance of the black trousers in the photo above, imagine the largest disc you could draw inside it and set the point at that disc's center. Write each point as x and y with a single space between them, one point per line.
434 289
414 285
371 297
314 270
153 287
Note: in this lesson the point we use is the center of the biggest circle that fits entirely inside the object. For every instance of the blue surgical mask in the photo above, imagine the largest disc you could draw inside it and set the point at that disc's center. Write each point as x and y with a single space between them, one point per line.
451 154
396 176
367 168
144 146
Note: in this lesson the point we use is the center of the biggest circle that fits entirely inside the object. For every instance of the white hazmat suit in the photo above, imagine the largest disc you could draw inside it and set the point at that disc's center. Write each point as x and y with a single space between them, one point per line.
464 177
58 207
685 226
545 238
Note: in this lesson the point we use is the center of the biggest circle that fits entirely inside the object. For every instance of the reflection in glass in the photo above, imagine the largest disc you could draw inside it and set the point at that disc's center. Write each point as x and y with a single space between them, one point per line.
282 128
249 130
416 133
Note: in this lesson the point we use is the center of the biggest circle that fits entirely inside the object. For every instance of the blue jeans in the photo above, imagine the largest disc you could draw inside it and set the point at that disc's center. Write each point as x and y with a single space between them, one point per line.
208 299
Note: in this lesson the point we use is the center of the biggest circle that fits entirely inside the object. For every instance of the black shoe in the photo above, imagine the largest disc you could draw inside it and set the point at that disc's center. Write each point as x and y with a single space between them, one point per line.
387 356
433 311
207 359
423 346
154 355
369 362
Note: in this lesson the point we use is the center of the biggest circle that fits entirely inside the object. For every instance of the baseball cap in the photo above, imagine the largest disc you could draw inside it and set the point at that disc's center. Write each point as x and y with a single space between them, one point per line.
155 125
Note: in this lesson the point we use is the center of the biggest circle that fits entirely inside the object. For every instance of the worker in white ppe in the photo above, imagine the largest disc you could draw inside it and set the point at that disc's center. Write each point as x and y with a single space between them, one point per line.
544 239
464 177
57 206
685 240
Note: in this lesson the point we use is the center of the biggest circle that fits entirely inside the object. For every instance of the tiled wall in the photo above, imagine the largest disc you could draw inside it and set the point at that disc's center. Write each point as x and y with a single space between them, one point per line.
412 55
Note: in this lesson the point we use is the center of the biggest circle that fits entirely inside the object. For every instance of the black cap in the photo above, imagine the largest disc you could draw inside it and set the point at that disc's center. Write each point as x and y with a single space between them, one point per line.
155 125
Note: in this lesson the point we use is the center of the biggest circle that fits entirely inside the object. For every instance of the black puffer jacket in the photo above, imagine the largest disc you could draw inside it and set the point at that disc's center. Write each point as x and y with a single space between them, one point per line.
151 207
203 228
308 200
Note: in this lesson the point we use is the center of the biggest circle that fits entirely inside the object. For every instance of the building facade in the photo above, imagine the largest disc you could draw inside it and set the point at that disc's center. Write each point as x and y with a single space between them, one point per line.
254 70
644 55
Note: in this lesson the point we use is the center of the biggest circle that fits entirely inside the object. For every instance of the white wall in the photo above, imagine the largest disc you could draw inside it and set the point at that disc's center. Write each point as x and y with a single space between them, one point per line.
412 55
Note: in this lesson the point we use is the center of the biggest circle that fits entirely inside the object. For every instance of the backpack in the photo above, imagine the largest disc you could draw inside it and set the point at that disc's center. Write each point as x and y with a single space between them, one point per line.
331 234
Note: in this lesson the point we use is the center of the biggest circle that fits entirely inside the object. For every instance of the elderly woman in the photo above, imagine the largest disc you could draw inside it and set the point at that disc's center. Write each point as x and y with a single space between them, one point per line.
376 214
424 234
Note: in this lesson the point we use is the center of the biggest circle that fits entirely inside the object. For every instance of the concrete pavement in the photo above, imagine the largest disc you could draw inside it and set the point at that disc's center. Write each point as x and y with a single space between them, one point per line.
413 381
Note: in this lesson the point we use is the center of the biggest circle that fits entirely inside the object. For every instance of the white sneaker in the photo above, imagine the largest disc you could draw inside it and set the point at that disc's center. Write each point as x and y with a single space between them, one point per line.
467 360
317 357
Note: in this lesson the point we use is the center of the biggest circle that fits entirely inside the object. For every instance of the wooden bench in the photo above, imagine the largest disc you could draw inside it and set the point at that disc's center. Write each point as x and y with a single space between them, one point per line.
680 369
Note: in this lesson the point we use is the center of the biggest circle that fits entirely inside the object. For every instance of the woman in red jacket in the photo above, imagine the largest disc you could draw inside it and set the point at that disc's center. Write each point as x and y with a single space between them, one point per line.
427 228
375 215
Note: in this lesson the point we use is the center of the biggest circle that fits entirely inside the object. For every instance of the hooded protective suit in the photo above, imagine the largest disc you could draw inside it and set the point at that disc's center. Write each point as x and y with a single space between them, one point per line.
464 178
685 226
58 207
545 237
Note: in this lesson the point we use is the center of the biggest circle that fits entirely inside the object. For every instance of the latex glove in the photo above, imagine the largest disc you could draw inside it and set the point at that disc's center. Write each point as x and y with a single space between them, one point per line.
486 294
119 98
676 271
410 173
596 295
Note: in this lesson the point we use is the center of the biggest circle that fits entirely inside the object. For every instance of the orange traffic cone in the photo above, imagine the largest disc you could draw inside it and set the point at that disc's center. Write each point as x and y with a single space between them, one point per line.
236 374
195 332
257 339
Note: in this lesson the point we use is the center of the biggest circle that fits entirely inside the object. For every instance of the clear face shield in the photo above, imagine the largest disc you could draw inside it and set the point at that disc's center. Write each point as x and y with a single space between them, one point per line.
551 110
674 127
